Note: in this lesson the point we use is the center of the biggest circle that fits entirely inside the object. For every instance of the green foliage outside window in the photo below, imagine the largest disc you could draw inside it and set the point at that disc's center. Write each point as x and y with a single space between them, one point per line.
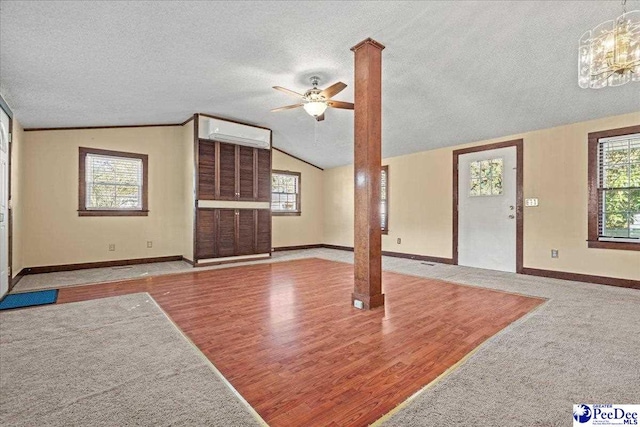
620 184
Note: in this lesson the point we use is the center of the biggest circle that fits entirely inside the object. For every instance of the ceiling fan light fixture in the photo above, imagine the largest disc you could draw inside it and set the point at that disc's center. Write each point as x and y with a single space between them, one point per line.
315 101
315 108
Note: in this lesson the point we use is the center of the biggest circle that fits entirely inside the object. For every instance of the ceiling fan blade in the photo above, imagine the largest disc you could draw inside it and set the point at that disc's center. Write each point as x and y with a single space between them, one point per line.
333 90
288 91
288 107
340 104
320 117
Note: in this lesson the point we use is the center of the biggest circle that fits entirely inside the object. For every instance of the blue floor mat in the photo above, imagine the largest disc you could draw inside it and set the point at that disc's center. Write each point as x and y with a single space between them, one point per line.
29 299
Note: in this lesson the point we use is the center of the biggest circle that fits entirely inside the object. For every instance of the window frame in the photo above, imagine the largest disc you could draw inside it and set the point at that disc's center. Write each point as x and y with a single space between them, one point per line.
298 211
82 195
385 227
593 238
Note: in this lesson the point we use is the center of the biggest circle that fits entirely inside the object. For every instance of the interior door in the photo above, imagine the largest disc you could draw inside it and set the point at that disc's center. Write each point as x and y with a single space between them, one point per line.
227 171
206 234
246 172
4 203
263 234
487 206
264 175
206 170
226 232
245 244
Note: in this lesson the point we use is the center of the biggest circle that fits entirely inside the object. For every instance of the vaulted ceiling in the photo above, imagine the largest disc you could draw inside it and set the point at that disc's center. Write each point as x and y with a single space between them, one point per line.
453 72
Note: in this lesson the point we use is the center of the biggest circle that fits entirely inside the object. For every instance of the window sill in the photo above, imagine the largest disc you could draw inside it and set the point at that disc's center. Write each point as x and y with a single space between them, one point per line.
112 213
623 246
292 213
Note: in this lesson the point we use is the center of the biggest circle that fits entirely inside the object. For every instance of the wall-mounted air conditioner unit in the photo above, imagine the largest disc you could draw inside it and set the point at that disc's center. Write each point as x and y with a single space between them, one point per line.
234 133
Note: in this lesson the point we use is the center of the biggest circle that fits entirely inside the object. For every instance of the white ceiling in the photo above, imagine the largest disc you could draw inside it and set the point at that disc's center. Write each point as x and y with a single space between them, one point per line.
453 72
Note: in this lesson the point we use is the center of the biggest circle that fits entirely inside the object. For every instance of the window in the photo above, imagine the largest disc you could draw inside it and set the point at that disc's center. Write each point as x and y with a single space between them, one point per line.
112 183
384 199
614 189
285 193
486 178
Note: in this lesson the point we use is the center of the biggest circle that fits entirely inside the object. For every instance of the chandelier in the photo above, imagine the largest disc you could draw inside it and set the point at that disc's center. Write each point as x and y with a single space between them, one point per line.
609 54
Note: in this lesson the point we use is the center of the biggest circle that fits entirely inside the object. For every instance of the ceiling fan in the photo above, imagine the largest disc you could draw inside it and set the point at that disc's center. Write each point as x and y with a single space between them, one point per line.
315 101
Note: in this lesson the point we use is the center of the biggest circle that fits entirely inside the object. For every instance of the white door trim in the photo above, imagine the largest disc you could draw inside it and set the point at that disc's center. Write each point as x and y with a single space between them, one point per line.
5 108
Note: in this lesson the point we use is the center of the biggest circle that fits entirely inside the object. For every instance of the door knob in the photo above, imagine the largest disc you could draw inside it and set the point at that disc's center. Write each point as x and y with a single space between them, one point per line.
511 216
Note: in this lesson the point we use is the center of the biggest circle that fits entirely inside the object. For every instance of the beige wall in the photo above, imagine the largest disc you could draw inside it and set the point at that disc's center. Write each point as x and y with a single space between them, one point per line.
53 231
418 191
555 171
17 190
305 229
49 231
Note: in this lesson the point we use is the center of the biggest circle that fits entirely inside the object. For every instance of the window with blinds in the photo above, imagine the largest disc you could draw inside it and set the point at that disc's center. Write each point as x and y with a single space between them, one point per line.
619 188
384 199
112 183
285 193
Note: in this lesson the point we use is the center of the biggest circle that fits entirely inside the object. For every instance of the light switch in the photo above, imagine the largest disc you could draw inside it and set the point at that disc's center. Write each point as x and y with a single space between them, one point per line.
531 202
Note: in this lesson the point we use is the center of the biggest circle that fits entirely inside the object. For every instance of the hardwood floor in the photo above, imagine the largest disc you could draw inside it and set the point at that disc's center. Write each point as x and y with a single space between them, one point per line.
284 334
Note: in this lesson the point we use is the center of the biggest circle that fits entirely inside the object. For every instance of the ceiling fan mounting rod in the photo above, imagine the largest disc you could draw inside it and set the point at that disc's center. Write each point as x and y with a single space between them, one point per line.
315 81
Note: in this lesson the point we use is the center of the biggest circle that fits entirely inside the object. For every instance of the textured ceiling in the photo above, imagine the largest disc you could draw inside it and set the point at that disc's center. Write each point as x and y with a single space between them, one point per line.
453 72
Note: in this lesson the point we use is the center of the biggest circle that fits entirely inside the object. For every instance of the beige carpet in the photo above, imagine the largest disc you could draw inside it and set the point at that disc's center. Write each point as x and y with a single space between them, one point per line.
109 362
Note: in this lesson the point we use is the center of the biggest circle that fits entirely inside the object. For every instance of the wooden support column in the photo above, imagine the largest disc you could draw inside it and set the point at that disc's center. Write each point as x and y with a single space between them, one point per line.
368 157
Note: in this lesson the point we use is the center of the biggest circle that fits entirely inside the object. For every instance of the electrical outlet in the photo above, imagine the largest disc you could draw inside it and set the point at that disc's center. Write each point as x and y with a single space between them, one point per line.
398 240
112 246
554 253
149 243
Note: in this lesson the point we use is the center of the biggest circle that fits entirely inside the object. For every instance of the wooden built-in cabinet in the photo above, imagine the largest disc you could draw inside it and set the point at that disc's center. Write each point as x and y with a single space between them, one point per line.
233 172
232 232
233 190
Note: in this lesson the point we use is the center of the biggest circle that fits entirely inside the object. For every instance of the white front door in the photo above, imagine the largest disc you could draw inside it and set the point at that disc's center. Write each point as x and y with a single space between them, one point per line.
4 205
487 209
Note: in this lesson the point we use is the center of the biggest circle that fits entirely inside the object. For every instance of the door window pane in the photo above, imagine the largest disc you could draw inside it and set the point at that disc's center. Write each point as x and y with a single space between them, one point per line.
486 177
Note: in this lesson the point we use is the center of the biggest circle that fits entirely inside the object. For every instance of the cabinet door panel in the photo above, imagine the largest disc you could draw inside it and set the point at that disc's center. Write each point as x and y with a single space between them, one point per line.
226 243
263 235
245 172
227 171
264 175
246 232
206 170
206 234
